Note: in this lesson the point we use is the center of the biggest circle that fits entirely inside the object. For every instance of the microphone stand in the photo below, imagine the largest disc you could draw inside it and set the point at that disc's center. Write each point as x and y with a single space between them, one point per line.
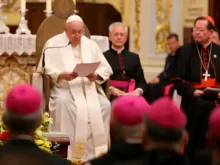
43 64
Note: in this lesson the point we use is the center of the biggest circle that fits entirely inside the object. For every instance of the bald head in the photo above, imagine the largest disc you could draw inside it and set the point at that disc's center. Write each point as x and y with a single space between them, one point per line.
74 29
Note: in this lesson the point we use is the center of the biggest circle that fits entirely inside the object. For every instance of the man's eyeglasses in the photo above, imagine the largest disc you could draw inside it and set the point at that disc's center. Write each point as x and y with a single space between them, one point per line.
195 29
73 32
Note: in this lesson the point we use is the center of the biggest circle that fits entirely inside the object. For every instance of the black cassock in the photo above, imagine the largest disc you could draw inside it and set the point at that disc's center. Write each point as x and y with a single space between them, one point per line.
125 66
122 153
165 157
164 76
188 73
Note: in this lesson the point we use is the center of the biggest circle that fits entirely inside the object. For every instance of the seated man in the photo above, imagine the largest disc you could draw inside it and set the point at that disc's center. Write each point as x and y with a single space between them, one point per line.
128 74
173 45
22 117
128 128
78 104
165 134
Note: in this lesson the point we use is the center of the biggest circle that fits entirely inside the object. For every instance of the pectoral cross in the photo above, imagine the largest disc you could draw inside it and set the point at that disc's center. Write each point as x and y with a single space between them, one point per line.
206 74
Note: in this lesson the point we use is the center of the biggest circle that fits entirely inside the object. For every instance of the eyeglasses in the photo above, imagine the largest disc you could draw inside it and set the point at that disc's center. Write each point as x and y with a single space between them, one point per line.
195 29
74 33
119 34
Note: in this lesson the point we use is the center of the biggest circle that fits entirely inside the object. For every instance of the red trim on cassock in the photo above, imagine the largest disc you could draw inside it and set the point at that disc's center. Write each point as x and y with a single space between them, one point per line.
184 81
211 82
120 59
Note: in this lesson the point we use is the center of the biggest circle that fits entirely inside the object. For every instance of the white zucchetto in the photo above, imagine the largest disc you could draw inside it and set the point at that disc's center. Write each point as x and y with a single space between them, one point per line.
74 17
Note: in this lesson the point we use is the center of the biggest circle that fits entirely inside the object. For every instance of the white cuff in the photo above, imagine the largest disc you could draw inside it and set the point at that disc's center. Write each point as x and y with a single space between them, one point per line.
141 91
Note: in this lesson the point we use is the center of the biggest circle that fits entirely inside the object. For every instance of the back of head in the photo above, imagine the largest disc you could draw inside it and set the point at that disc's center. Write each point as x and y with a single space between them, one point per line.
23 109
127 116
26 153
165 122
213 133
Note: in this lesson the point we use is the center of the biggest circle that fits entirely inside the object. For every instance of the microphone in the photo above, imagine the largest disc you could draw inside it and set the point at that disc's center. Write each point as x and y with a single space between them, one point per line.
43 64
52 47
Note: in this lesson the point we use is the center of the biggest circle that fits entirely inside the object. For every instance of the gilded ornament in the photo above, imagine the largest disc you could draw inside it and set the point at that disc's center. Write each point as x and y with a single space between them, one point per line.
136 29
163 24
80 147
78 161
101 153
14 70
9 4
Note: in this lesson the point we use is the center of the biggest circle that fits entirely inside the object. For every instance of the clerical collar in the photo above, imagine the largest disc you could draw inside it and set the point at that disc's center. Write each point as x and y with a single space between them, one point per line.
203 46
76 47
118 50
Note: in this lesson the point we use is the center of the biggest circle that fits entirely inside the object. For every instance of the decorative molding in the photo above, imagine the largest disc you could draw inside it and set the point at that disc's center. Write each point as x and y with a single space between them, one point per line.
136 28
14 70
163 10
194 9
9 4
148 24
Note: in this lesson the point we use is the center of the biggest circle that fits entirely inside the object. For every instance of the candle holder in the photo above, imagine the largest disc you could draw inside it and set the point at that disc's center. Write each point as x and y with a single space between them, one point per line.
48 13
23 27
3 28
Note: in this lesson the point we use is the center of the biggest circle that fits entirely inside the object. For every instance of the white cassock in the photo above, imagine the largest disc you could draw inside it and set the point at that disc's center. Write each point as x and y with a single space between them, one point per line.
80 107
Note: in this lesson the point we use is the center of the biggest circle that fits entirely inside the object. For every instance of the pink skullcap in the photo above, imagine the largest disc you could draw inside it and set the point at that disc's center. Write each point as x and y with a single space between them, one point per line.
166 114
23 100
129 110
214 123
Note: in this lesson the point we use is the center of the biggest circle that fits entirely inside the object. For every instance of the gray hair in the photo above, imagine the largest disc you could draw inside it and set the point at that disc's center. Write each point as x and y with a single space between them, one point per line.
128 132
160 134
111 27
21 123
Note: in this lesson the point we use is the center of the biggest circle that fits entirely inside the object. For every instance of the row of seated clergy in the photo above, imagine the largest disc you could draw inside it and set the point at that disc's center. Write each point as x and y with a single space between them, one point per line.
127 74
78 105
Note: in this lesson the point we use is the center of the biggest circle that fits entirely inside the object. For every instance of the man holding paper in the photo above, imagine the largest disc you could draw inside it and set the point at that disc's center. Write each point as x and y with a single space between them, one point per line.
78 101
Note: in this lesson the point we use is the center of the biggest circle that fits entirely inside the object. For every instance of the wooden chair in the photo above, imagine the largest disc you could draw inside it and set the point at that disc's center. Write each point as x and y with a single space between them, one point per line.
50 27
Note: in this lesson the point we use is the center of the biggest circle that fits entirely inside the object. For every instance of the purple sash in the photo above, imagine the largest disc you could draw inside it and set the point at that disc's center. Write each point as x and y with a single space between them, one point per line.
167 89
130 85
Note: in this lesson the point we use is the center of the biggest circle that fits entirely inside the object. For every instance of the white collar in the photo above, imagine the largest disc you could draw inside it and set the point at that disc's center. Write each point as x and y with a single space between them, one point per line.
118 50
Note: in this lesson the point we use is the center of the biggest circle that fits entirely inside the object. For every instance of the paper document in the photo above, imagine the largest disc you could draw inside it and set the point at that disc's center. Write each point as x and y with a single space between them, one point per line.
84 69
211 90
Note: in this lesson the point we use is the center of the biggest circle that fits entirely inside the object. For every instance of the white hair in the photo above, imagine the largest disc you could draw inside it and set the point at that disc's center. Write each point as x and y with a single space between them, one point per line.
111 27
34 116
